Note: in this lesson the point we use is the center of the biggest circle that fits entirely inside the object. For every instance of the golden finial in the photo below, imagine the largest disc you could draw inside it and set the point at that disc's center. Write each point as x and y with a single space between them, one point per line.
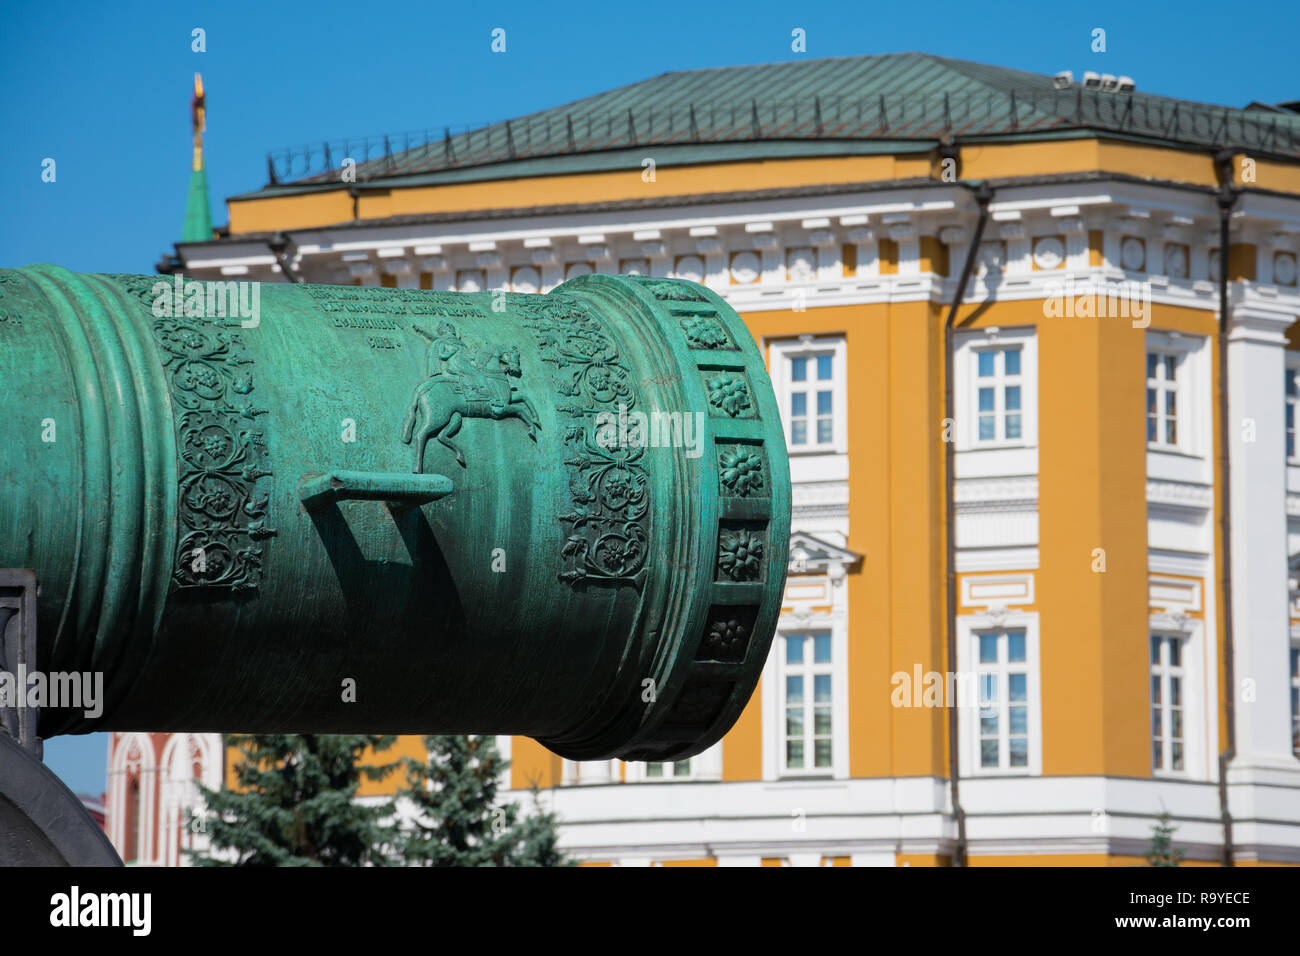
196 120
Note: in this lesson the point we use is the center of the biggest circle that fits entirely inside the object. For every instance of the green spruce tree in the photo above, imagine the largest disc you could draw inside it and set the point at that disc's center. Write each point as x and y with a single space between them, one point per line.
1162 852
459 822
295 804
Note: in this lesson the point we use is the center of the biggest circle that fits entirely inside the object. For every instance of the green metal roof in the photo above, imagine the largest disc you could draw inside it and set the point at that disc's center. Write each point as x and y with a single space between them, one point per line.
808 107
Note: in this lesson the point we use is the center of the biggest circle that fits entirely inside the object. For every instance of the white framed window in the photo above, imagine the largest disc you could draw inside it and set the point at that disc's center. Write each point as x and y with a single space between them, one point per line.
1295 698
662 770
1002 679
1163 400
995 381
807 702
808 661
998 695
574 772
1178 412
999 391
1169 697
703 766
809 377
1179 671
812 405
1292 392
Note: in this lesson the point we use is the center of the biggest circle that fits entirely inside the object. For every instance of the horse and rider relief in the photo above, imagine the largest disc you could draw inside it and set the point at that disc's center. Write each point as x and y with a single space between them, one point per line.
461 383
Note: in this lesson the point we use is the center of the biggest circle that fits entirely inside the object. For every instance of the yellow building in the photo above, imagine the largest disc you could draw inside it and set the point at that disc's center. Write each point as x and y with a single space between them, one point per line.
1027 610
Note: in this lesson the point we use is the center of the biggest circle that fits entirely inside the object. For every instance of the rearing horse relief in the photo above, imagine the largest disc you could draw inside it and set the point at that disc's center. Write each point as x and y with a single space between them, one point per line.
460 385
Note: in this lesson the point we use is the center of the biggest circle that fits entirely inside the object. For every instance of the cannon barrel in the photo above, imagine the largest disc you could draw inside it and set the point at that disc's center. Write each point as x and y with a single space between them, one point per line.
334 509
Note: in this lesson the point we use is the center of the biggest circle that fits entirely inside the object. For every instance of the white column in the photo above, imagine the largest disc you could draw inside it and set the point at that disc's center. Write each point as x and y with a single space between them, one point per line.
1260 621
864 237
602 259
715 263
769 248
957 240
596 771
661 264
552 273
829 265
909 248
1016 237
708 765
1076 243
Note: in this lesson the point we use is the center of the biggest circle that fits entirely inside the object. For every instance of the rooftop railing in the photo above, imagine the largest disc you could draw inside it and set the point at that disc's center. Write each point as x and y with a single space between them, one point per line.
898 116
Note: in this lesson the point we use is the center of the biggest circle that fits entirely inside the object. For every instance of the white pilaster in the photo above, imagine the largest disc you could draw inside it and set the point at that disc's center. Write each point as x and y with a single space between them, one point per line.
909 248
715 262
1016 236
552 275
1076 243
829 266
548 263
868 251
1261 639
661 264
773 257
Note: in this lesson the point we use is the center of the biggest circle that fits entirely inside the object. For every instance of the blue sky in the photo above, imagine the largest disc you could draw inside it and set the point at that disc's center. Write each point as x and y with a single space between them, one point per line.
104 90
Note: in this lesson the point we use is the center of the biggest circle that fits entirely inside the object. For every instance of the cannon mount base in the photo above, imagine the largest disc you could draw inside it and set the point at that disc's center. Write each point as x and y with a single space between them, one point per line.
42 823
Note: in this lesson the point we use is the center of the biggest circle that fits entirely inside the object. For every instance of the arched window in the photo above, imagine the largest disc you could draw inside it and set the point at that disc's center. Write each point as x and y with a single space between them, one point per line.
188 760
130 811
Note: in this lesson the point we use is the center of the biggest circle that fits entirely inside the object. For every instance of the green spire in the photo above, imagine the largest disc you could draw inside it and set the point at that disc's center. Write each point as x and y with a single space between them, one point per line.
198 212
198 216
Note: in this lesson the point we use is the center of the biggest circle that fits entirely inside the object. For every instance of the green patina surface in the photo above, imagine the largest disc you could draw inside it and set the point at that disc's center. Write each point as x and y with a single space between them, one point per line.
560 515
198 210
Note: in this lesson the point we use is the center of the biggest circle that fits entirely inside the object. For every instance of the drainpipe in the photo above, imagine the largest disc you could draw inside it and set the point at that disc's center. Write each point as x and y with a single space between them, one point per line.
983 194
1227 198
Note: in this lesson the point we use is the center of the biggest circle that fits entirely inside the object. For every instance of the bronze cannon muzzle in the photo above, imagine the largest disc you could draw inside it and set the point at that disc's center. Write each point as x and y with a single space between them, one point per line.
330 509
